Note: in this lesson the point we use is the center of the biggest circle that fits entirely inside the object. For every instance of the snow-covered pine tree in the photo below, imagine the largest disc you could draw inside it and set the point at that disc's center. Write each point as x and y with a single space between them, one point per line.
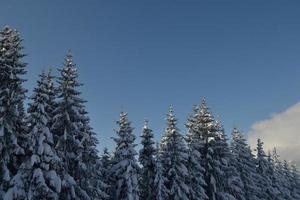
124 170
230 185
13 137
262 166
222 179
195 165
67 127
160 190
174 157
278 179
244 162
45 164
207 131
38 175
147 160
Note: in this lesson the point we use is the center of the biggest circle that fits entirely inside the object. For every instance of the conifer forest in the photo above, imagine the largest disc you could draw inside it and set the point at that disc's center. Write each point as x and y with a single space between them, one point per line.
48 148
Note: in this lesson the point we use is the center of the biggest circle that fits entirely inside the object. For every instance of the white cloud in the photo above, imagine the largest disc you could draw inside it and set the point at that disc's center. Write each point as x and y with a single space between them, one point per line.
281 130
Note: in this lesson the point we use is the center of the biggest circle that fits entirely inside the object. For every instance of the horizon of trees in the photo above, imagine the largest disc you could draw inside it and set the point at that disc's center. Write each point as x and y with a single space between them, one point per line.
48 151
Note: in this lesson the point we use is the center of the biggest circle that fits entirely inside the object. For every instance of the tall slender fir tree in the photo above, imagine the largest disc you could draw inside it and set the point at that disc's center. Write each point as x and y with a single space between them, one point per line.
13 137
174 157
278 179
37 176
196 169
262 167
244 162
124 170
222 180
71 133
147 160
229 184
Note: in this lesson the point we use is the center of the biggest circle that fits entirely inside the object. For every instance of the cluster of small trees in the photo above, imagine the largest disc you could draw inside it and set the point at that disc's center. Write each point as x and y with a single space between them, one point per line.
49 152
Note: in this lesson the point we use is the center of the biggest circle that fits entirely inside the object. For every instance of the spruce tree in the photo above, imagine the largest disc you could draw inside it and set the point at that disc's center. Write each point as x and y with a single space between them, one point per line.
44 179
69 137
124 170
195 165
229 184
278 179
13 138
173 155
205 125
147 160
262 167
222 179
37 176
244 162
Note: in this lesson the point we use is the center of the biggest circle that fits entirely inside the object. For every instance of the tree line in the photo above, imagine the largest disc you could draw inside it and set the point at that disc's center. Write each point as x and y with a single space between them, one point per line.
49 150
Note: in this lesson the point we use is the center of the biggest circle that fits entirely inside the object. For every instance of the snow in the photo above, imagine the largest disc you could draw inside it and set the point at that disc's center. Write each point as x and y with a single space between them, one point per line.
54 180
57 158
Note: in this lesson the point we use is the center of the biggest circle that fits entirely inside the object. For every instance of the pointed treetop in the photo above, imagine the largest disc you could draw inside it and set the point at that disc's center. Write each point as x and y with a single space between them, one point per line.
146 124
203 100
69 59
9 32
171 115
6 27
123 114
235 129
259 142
69 53
236 134
275 155
49 75
203 108
260 149
124 122
203 103
42 76
50 78
171 110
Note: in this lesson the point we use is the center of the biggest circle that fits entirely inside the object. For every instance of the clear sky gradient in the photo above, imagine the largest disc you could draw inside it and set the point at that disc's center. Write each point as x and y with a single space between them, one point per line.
143 56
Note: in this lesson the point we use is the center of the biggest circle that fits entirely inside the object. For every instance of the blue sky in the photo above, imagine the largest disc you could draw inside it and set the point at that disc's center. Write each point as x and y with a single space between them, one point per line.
143 56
